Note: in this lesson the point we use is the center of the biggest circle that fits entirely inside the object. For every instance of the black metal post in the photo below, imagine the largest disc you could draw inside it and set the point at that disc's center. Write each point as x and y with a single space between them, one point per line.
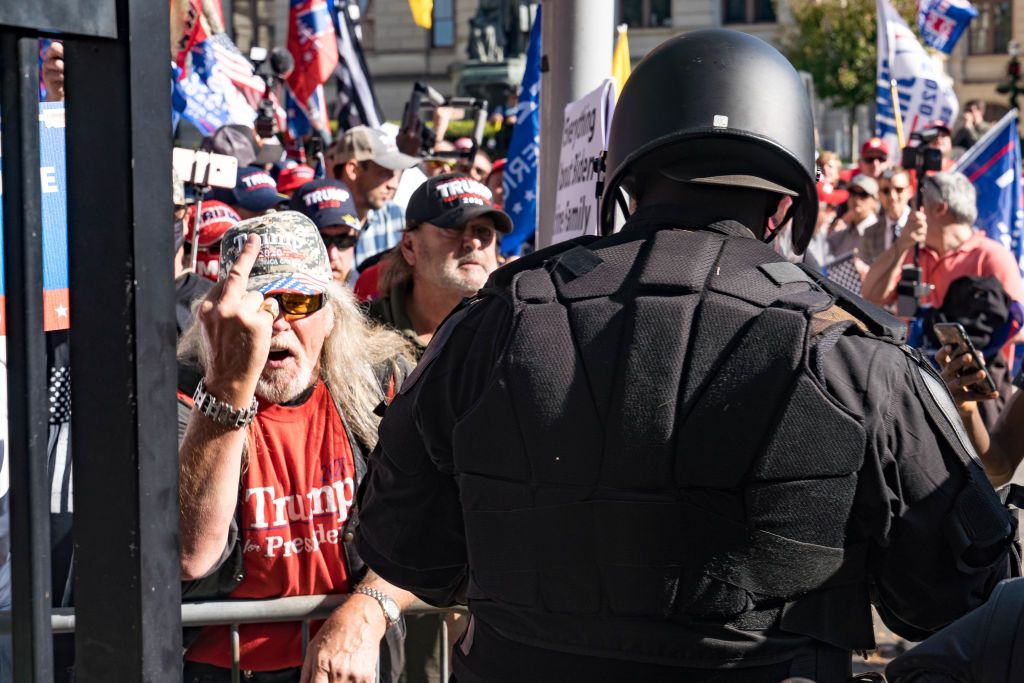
26 358
124 441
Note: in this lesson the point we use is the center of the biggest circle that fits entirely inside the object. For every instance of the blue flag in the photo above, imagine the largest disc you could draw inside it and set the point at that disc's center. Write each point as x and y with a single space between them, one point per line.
943 21
53 185
993 166
520 177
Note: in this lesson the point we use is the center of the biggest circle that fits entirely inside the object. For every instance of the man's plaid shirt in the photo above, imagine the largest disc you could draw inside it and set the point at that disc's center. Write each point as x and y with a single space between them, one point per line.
382 231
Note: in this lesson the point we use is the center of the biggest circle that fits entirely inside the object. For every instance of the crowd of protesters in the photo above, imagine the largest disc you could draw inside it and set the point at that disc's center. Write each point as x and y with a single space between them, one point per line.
306 295
869 219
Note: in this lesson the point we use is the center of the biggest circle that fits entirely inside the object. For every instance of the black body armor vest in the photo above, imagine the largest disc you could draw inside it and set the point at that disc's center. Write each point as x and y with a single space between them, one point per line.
655 471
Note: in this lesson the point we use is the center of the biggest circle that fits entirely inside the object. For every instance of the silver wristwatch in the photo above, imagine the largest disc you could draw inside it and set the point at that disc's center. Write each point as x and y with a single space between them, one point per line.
391 612
221 412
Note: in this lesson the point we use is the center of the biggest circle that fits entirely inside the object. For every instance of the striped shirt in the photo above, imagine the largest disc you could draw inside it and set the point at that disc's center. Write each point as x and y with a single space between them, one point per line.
382 231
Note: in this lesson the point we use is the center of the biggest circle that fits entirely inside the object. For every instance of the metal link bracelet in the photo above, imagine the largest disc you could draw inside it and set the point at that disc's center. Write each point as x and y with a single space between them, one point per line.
221 412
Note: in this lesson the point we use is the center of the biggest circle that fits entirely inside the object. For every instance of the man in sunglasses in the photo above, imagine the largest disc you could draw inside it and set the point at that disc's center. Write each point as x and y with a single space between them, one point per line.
894 192
273 446
861 214
447 252
329 204
874 159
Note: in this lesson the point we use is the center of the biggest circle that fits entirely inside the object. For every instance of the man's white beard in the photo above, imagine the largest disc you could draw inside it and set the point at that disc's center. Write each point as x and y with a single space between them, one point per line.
280 388
465 284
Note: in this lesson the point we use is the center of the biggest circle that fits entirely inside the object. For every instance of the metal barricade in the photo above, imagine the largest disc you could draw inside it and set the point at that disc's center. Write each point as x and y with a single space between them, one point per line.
234 613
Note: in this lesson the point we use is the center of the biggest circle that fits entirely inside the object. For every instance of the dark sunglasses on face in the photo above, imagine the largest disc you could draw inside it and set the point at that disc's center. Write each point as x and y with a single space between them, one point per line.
860 194
340 241
294 305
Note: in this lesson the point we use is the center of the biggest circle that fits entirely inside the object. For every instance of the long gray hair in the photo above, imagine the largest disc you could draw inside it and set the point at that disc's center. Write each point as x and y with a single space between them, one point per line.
353 349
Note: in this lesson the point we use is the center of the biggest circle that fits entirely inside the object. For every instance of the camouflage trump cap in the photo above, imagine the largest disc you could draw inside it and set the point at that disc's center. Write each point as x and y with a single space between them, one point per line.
292 255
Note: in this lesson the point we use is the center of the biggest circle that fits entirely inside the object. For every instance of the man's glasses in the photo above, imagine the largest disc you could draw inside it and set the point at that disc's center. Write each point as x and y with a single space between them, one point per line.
340 241
860 194
439 165
481 231
894 189
294 305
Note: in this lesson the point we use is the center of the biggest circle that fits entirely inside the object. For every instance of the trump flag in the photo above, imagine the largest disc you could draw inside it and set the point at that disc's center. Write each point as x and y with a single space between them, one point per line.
53 184
942 22
925 93
993 166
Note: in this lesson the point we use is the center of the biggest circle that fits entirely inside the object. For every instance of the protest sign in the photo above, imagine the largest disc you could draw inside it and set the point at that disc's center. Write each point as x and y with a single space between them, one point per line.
584 136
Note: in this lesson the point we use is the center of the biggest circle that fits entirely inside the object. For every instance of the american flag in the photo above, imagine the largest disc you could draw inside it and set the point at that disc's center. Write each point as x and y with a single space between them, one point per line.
218 54
296 282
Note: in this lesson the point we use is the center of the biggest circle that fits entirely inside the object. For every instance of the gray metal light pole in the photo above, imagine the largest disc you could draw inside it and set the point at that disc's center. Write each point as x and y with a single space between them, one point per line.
576 44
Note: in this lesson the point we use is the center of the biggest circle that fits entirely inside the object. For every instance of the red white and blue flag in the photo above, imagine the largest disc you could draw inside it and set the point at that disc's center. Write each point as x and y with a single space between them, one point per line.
942 22
313 44
303 120
993 165
298 282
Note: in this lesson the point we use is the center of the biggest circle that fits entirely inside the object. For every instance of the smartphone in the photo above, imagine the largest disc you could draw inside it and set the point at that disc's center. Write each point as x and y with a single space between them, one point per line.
205 168
953 334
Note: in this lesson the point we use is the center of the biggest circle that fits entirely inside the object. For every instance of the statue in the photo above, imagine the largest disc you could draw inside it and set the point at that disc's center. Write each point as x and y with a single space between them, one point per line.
499 30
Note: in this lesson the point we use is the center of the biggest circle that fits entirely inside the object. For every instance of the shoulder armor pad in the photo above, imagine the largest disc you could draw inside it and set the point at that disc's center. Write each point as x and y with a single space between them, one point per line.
502 277
941 407
877 321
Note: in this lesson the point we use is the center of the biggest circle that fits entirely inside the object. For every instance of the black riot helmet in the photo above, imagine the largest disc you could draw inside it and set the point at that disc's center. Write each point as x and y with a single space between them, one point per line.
717 107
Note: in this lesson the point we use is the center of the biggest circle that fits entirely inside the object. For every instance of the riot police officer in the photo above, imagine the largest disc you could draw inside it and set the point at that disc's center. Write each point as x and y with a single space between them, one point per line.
667 453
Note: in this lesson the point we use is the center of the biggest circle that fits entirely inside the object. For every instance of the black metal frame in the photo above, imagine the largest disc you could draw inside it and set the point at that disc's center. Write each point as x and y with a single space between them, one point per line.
124 446
26 357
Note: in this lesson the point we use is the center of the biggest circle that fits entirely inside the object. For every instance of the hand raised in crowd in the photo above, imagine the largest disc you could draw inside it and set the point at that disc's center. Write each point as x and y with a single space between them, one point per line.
237 326
347 646
53 72
965 388
914 232
844 222
410 138
444 115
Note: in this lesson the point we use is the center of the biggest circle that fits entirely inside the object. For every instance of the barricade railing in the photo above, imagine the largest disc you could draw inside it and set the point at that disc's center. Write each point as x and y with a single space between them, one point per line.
234 613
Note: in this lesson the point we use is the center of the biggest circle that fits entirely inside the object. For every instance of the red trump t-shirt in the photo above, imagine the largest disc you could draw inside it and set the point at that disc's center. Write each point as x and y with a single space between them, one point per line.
297 491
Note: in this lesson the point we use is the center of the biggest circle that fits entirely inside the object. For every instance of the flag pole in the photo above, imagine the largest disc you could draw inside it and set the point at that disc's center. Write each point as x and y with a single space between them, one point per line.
897 113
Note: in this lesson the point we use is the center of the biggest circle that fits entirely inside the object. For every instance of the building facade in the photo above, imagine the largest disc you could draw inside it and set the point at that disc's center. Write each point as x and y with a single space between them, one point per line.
979 62
399 52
